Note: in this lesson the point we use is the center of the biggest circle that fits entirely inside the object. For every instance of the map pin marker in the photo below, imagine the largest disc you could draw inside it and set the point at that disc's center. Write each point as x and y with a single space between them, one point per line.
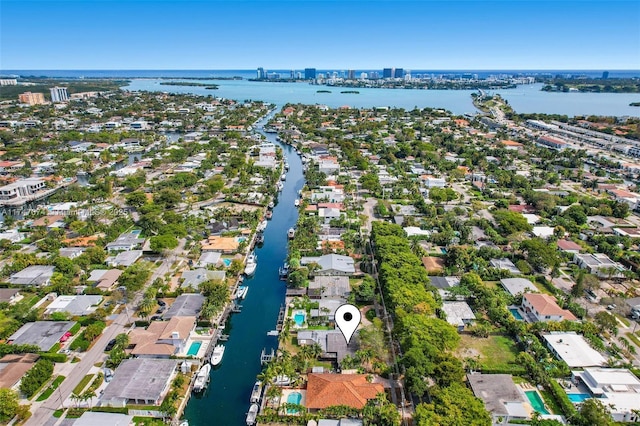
347 319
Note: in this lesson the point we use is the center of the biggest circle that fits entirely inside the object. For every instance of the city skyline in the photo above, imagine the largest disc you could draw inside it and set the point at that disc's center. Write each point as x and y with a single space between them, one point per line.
191 35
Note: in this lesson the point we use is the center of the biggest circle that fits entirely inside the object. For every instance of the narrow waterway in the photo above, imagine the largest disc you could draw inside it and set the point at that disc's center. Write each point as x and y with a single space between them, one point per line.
226 401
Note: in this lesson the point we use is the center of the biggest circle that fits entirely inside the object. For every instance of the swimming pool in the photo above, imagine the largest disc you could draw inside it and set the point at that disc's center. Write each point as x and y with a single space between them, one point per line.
194 348
293 398
227 262
443 250
136 232
536 402
241 239
577 398
299 317
516 314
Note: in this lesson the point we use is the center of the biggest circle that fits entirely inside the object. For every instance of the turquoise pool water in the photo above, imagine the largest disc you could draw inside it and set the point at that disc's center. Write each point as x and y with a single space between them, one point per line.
227 262
443 250
298 318
536 402
194 348
516 314
293 398
241 239
136 232
578 397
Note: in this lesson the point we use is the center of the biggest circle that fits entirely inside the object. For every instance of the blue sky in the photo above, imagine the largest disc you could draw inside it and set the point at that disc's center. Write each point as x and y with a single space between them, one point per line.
145 34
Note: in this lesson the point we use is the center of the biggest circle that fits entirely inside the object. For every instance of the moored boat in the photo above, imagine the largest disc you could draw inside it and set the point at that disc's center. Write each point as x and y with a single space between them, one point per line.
252 414
268 215
261 226
291 233
241 293
296 203
256 393
252 263
286 166
260 238
283 177
216 356
202 378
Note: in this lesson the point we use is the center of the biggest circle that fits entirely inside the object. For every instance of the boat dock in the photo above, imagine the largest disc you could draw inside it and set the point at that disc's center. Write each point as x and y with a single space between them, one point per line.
266 357
281 316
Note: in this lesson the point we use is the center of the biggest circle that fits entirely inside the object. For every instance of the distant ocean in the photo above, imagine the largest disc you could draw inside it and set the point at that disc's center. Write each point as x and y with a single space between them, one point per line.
285 73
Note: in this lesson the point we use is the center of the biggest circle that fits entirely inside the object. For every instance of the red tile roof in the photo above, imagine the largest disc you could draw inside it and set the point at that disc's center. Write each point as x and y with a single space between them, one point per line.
546 305
353 390
568 245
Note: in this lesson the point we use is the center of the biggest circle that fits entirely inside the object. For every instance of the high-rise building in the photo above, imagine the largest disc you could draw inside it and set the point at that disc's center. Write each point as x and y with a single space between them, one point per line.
309 73
398 73
59 94
31 98
8 82
261 74
351 74
374 75
387 73
605 75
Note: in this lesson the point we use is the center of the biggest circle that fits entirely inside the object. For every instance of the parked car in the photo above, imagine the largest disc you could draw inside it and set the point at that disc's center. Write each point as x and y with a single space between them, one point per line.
162 303
65 337
110 345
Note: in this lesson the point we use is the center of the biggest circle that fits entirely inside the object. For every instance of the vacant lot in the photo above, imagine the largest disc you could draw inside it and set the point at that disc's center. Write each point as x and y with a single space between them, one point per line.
493 352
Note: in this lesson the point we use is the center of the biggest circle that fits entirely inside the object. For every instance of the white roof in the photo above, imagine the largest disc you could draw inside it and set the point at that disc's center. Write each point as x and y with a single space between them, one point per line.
574 350
532 219
457 312
414 230
517 285
542 231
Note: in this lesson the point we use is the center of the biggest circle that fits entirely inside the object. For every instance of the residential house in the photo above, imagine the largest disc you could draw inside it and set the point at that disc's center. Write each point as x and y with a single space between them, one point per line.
329 286
542 307
140 381
13 367
75 305
573 349
353 390
104 279
617 388
505 264
331 264
501 397
185 305
334 346
568 246
195 277
10 295
36 275
43 334
22 188
162 339
458 314
126 242
598 264
125 258
515 286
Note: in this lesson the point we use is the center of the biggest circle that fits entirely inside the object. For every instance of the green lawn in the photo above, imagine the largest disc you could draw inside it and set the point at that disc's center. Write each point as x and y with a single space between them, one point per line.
83 384
494 351
47 393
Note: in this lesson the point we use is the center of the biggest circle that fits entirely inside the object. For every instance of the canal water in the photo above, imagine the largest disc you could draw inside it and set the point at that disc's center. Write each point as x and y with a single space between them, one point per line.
226 400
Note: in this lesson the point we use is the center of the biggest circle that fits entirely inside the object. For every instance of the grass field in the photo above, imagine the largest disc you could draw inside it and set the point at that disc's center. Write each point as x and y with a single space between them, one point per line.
493 352
47 393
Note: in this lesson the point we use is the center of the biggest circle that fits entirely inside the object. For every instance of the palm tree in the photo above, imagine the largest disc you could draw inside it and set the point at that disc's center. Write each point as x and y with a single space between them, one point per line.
273 393
88 396
77 398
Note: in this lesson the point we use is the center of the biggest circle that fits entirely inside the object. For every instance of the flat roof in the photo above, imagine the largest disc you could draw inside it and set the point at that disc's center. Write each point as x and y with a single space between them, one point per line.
185 305
495 390
517 285
457 312
44 334
91 418
574 350
140 378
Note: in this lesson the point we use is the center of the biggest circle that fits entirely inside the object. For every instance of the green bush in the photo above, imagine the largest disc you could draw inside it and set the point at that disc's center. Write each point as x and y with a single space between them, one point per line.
47 393
55 348
76 327
561 398
80 343
119 410
39 374
53 357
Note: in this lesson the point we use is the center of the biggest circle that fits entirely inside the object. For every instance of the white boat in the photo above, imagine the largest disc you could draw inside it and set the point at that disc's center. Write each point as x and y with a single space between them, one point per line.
296 203
216 356
262 226
291 233
252 414
242 292
256 393
202 378
283 177
286 166
280 186
184 423
268 215
252 264
271 205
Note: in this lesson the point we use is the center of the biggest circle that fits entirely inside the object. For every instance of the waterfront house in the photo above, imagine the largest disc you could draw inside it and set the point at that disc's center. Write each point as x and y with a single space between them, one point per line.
162 339
331 264
140 381
353 390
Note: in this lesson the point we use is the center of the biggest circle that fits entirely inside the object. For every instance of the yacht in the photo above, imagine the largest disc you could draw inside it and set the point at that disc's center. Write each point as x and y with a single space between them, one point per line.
241 293
286 166
262 226
271 205
260 238
252 263
268 215
291 233
280 186
202 378
283 177
296 203
216 356
256 393
252 414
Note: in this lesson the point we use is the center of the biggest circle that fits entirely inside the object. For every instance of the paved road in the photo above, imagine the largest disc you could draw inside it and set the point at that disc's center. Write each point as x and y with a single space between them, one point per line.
42 414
